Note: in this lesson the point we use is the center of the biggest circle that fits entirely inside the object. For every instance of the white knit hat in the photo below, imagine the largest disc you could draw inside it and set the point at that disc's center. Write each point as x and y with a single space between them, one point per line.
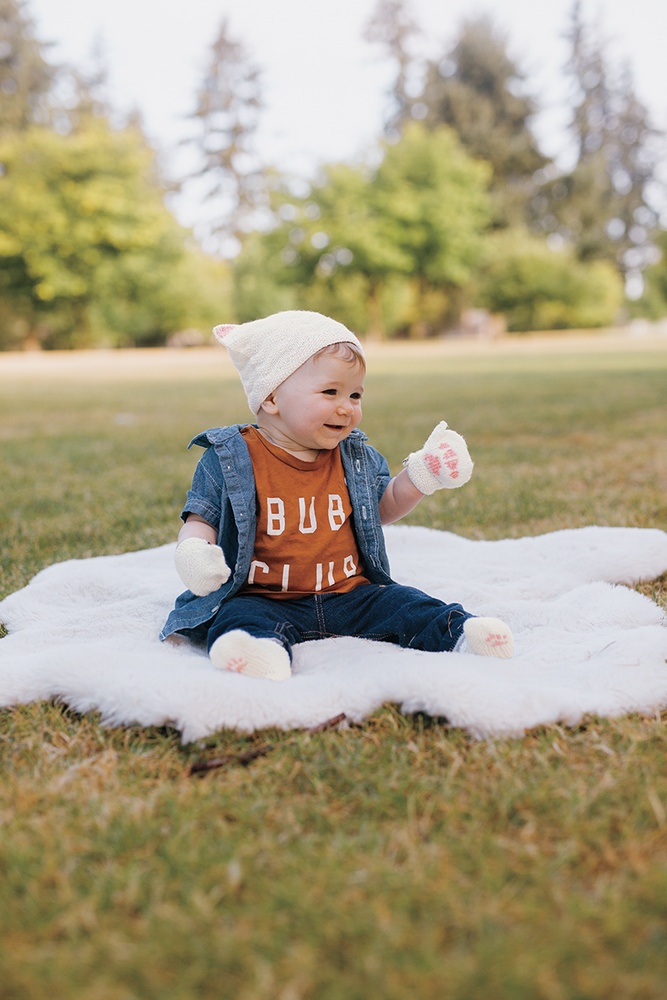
267 351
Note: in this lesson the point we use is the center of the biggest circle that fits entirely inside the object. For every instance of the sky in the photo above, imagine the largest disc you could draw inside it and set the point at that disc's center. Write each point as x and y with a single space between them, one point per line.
325 87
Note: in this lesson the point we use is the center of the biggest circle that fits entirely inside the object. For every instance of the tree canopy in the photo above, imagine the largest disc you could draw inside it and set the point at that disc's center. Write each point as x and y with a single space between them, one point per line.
537 288
83 228
454 206
416 216
89 252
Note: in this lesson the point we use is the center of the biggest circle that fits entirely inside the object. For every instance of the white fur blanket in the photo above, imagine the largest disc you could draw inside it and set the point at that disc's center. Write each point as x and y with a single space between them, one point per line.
85 631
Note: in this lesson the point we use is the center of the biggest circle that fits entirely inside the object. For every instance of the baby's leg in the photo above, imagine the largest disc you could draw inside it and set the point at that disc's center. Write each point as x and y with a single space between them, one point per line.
245 654
410 618
242 638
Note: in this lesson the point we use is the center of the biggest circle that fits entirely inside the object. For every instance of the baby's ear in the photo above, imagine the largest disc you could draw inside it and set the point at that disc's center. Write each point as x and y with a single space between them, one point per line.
269 405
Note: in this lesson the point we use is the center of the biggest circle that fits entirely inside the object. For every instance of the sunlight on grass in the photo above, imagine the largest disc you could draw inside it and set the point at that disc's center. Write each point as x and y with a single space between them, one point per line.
395 859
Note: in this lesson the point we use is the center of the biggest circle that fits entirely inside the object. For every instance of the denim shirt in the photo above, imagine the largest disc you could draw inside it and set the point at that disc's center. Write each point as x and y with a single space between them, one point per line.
223 493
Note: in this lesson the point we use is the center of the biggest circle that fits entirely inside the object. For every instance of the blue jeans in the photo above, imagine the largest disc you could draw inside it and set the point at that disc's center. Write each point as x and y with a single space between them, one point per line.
393 613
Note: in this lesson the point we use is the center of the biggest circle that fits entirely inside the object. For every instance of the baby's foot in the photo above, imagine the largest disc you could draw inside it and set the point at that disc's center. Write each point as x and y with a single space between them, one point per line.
488 637
245 654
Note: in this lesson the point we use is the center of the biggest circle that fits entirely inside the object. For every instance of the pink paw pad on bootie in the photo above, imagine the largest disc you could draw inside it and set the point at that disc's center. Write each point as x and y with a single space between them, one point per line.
443 463
448 459
488 637
241 653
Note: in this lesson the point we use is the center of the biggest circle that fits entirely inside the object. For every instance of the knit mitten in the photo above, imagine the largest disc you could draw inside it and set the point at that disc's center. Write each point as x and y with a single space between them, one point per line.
201 566
487 637
443 463
246 654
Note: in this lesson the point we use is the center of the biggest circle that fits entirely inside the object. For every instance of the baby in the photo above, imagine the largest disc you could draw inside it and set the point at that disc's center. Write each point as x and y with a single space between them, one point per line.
282 541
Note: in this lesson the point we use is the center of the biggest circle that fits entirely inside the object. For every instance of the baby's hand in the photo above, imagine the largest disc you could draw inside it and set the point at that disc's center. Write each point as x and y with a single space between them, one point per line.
443 463
201 566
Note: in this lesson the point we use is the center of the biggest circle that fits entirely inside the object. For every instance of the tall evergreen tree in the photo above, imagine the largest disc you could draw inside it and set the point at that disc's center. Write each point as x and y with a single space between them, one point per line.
229 103
89 93
26 77
602 206
479 91
393 27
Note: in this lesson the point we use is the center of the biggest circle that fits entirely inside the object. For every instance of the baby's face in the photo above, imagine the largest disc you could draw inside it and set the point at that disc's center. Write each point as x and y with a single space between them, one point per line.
317 406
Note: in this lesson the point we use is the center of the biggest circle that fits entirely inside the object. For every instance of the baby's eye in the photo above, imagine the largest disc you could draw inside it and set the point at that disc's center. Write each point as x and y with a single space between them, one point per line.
355 395
329 392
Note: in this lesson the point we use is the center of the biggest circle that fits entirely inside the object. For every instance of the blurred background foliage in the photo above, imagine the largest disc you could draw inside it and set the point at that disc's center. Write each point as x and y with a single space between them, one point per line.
454 213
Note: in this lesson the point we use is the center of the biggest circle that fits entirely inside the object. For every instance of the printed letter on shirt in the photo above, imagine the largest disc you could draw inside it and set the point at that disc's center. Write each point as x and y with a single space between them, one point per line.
254 566
275 516
336 512
311 516
349 567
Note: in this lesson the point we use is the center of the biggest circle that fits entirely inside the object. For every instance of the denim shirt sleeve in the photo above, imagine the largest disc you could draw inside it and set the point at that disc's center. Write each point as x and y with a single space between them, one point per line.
205 495
223 494
367 475
382 473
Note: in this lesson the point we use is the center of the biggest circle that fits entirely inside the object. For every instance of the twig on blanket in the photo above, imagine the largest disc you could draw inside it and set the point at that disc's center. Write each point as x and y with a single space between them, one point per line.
329 724
202 766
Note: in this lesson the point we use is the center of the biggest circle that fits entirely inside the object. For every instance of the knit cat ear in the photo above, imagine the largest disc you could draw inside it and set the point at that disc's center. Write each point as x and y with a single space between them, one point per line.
222 330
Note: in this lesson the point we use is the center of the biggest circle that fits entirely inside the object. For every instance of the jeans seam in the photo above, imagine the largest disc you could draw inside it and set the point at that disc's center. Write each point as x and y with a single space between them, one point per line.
319 612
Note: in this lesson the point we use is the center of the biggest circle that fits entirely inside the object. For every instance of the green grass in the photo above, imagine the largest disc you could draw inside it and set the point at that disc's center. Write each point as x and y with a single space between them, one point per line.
396 859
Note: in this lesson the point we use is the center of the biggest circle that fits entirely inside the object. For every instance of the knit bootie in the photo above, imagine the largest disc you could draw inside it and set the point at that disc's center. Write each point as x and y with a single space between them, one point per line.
245 654
487 637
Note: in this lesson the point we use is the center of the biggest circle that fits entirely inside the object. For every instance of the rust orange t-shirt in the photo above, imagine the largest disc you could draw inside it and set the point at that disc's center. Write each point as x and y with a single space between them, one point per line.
305 542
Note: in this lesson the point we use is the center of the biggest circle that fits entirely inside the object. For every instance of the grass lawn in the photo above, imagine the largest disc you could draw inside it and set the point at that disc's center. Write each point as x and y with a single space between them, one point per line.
394 860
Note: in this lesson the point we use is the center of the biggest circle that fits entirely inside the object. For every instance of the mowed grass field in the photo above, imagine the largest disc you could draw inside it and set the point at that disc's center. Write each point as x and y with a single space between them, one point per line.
398 859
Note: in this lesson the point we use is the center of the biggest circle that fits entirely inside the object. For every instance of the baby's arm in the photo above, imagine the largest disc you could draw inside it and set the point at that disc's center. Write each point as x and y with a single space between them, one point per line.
200 562
197 527
399 498
443 463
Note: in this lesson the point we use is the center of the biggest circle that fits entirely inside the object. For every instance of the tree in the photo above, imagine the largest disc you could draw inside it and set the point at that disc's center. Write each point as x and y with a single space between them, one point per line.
393 27
83 95
325 241
25 76
414 218
536 288
85 236
653 303
478 90
436 202
602 206
227 113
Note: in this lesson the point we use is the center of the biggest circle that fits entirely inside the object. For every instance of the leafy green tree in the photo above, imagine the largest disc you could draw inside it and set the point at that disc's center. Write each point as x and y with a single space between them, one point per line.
653 302
478 90
437 203
84 234
536 288
415 217
341 231
26 78
261 282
